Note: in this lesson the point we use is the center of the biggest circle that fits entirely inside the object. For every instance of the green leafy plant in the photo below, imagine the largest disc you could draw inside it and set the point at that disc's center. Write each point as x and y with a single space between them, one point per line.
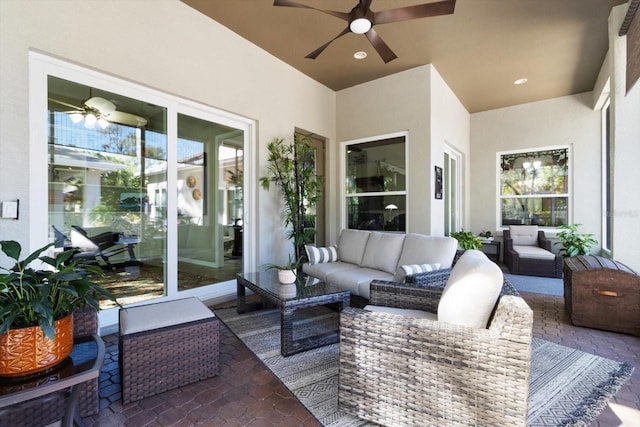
467 240
574 243
291 166
30 297
292 264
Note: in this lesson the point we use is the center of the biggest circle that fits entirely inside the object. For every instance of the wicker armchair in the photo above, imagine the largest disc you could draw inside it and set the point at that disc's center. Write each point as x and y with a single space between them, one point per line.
531 259
397 370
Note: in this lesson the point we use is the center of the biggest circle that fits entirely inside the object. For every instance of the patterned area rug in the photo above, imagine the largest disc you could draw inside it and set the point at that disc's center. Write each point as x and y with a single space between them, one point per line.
568 387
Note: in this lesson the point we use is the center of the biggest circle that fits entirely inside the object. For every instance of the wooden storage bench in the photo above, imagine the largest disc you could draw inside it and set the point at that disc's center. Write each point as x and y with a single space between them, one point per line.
166 345
602 293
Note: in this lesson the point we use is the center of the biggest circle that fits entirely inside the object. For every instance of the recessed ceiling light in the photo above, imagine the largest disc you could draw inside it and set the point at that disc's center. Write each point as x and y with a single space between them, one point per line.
360 55
520 81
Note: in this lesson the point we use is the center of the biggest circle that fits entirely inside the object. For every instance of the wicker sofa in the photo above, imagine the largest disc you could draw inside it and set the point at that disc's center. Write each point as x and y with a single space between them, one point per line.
362 256
403 370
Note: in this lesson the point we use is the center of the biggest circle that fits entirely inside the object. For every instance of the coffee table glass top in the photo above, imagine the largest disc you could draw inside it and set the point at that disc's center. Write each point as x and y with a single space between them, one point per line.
305 287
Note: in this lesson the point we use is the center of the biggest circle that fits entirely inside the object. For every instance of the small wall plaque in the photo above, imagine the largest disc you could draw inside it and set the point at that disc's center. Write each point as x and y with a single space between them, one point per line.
438 182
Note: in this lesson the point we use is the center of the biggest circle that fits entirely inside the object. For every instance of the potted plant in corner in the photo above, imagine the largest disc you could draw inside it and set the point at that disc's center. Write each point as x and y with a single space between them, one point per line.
36 320
291 167
574 243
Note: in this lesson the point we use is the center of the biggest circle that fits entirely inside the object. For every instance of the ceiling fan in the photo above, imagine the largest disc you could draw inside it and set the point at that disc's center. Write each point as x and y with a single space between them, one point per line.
361 20
96 110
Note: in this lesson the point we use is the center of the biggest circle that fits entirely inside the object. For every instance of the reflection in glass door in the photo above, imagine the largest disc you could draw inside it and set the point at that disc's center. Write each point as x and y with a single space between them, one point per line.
107 170
209 202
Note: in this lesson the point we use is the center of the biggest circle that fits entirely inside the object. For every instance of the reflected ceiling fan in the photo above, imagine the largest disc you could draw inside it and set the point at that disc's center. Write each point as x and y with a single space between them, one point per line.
361 20
100 111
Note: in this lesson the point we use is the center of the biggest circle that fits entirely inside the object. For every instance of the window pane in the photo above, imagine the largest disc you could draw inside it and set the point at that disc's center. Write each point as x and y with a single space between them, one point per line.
544 211
540 172
377 166
210 202
106 151
377 213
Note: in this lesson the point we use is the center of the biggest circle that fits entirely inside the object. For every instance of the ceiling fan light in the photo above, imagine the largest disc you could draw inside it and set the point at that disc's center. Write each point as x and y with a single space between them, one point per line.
90 121
76 117
360 25
103 123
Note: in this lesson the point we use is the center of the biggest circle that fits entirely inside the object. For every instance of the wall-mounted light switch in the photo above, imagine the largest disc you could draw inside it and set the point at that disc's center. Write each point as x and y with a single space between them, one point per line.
10 209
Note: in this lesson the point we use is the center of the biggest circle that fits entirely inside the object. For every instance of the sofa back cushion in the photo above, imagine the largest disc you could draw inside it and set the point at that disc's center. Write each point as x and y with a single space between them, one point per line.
524 235
383 251
351 245
471 292
422 249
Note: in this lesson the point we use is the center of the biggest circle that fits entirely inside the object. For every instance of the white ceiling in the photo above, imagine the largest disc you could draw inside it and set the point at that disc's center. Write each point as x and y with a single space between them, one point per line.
558 45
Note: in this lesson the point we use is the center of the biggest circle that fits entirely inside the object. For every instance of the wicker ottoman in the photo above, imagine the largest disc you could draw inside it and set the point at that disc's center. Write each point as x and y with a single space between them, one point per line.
602 293
166 345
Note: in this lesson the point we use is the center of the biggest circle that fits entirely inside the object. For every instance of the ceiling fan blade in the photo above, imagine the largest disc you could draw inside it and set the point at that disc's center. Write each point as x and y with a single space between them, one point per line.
125 119
100 104
445 7
380 46
66 104
342 15
318 51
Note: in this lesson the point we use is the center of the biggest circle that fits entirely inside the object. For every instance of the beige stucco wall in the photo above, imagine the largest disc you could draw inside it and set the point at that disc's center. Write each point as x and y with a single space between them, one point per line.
567 120
418 101
451 125
162 44
625 140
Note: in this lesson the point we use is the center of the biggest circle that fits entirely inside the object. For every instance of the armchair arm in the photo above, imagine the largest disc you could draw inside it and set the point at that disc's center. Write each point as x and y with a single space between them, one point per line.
543 242
405 295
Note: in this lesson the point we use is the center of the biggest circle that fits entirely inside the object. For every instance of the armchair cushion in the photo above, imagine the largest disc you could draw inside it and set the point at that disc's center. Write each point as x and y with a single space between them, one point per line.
534 252
420 314
471 291
524 235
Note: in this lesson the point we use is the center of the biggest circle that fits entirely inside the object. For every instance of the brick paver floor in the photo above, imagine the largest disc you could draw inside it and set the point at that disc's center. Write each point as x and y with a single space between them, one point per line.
246 393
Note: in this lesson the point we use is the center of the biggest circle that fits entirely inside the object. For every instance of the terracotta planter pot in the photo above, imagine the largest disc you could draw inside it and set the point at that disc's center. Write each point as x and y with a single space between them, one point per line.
27 351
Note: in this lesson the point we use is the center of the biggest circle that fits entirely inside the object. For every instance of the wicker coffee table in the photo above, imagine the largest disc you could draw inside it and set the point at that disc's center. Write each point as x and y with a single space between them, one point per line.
266 285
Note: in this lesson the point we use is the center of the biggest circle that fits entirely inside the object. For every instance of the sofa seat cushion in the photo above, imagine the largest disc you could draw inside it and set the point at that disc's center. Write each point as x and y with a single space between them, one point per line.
322 270
351 245
358 280
471 292
524 235
383 251
422 249
533 252
407 312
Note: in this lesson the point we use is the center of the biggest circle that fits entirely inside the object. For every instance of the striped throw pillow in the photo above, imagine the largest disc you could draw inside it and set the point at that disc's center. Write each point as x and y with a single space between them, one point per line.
321 255
407 270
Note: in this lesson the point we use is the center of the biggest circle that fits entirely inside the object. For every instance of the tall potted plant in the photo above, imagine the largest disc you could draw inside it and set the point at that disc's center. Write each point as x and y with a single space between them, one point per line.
291 167
36 320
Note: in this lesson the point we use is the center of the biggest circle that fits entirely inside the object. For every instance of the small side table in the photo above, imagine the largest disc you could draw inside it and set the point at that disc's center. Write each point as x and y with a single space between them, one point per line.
492 250
23 401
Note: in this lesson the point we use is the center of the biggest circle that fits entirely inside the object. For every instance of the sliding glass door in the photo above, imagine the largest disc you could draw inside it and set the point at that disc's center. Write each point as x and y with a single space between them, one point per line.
153 192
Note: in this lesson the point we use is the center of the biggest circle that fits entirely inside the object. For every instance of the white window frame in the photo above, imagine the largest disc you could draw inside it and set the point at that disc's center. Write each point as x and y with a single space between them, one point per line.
568 195
343 170
40 67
